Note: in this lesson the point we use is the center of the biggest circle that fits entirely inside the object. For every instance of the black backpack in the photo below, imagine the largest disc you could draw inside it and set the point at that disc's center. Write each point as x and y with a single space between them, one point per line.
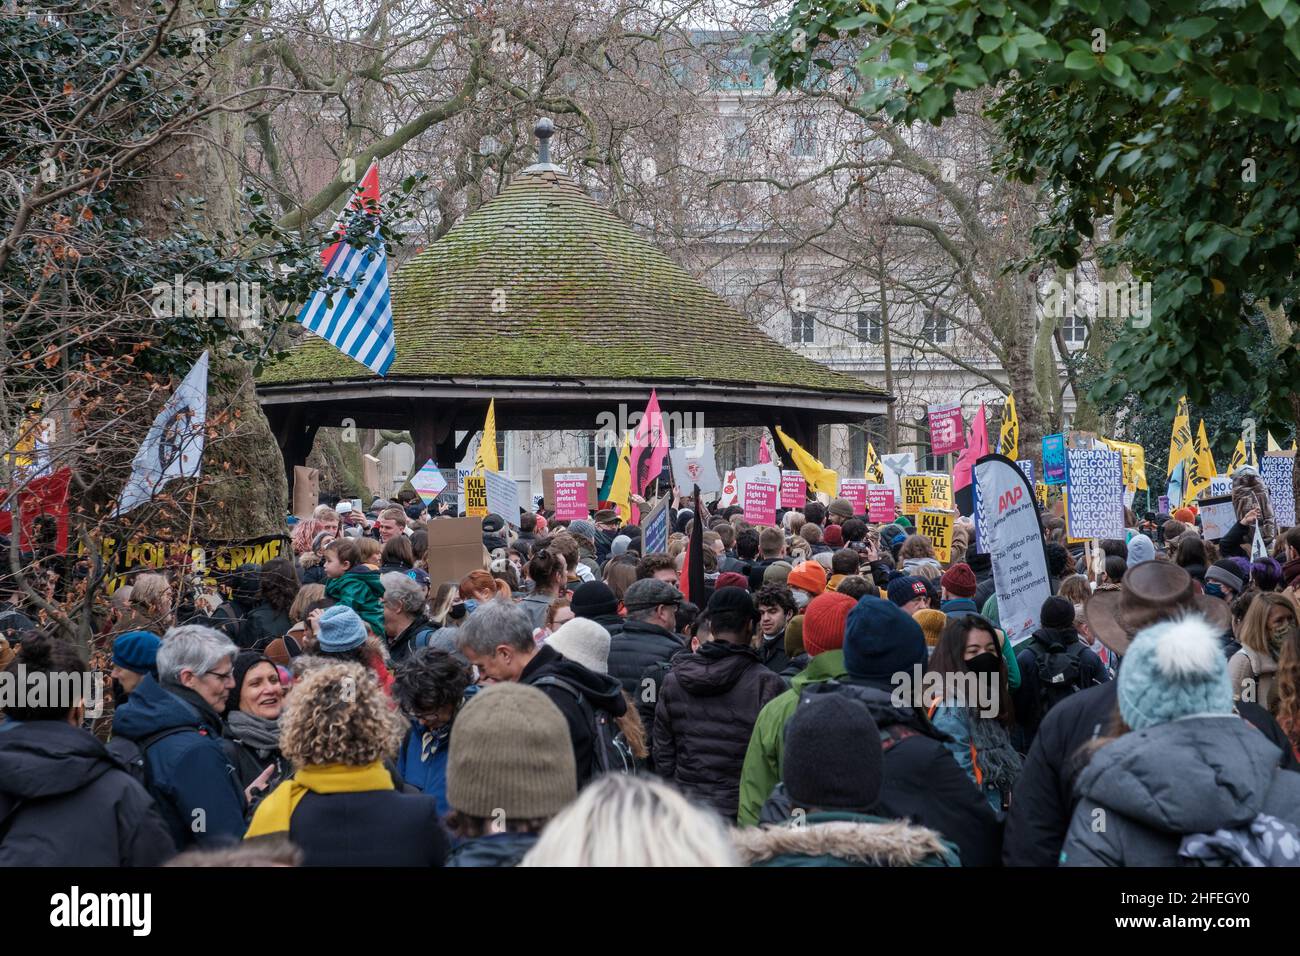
610 751
1059 670
131 753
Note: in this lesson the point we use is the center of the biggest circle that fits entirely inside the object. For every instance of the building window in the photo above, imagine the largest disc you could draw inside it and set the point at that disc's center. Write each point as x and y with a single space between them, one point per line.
737 137
857 452
869 327
1074 329
594 453
935 328
735 449
801 327
936 463
803 137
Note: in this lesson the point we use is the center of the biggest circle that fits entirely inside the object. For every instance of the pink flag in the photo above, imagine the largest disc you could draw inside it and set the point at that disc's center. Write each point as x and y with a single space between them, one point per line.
977 446
764 456
649 446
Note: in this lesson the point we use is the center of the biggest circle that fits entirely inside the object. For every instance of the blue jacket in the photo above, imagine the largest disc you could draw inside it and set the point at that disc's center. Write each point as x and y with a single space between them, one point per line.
186 771
422 761
954 607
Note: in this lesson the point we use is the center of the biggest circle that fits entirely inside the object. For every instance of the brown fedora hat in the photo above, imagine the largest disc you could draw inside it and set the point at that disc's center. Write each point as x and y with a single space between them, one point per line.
1150 592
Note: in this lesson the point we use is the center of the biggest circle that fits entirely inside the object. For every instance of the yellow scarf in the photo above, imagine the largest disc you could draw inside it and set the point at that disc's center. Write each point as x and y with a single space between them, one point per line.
273 813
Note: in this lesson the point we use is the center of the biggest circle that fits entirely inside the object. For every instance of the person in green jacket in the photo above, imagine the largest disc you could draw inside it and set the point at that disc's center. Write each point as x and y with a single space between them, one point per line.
354 584
834 770
823 638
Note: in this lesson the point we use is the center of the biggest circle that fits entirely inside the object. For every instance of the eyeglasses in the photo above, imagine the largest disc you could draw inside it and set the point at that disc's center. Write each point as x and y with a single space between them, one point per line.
220 675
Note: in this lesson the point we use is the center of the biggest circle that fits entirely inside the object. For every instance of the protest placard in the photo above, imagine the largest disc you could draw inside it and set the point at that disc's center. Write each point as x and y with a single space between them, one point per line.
428 482
503 496
461 475
937 526
940 490
730 493
1220 485
1026 466
1217 517
916 493
880 504
476 505
1054 459
854 491
896 466
570 491
760 502
1096 494
695 465
1275 471
794 490
548 485
1011 533
947 433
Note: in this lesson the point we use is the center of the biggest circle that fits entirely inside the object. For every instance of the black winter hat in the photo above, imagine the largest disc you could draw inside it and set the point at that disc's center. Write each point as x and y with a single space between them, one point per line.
731 599
593 599
1057 612
245 661
833 757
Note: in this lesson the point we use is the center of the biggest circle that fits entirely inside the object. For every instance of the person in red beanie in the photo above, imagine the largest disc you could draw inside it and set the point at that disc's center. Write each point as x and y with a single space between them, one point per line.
806 581
823 640
959 586
731 579
833 535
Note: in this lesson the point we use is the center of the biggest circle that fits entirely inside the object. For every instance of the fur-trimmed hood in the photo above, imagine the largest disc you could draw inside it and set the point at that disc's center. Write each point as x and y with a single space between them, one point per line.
853 838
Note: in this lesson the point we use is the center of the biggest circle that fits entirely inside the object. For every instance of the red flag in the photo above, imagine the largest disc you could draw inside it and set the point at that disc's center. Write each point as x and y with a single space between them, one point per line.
649 446
764 456
365 197
977 446
46 497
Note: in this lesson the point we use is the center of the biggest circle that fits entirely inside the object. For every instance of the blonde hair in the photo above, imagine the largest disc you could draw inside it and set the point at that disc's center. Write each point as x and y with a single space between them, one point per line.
146 592
307 594
367 549
1253 632
628 821
338 714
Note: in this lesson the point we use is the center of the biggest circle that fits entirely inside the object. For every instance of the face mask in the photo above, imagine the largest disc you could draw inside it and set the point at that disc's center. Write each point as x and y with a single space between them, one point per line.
1213 590
470 605
456 612
801 599
1278 638
986 663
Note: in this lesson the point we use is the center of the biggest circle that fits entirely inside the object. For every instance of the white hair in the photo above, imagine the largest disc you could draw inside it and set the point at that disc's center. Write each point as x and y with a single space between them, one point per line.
403 593
627 821
192 647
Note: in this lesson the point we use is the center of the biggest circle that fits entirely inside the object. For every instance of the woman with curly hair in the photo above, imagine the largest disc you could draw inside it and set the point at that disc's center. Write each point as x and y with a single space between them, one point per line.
340 806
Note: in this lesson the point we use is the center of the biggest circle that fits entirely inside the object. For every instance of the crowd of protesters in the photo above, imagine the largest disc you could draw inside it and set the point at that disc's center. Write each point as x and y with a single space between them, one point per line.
827 693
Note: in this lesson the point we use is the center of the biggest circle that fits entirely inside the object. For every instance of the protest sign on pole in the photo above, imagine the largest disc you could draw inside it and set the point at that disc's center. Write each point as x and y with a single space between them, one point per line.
1026 466
916 493
760 502
1054 459
896 466
1218 517
768 474
940 490
588 474
1162 503
937 526
502 496
695 465
571 496
854 491
1220 485
461 475
730 492
1096 494
1011 534
1275 471
880 504
947 432
428 482
476 505
794 490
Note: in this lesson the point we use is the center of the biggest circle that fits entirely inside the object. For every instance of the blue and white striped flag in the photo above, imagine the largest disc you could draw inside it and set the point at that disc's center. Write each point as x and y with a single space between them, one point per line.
358 318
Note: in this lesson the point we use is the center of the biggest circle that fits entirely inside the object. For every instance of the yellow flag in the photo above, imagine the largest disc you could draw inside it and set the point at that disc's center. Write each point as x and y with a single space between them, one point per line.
1180 440
486 460
621 487
875 472
1238 456
1272 442
1134 458
1009 437
1202 469
818 476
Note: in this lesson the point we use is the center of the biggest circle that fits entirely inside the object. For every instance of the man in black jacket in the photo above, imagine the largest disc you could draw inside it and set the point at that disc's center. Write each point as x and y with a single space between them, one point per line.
596 602
647 638
498 639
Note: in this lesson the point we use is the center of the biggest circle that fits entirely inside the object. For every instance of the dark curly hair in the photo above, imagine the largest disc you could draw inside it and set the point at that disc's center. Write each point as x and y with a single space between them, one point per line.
279 584
777 595
39 652
429 680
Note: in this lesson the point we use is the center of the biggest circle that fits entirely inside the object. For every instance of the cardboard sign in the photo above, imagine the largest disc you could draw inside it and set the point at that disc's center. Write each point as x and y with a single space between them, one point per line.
760 502
854 491
548 485
1095 494
1026 466
794 490
880 504
937 526
455 548
571 492
1218 517
503 496
1054 459
916 493
940 490
306 490
476 505
429 482
947 432
1275 471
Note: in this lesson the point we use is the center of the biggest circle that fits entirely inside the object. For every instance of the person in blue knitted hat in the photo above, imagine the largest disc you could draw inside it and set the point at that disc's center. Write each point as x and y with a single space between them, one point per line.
339 630
135 654
1189 782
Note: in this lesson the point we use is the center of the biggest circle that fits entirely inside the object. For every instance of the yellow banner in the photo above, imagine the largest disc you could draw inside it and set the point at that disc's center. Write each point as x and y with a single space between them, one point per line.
916 493
937 526
1134 459
940 491
476 496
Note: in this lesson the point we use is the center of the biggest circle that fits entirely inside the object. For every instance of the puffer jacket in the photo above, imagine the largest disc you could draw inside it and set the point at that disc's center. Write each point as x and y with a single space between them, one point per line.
844 839
1250 492
1153 787
705 717
638 645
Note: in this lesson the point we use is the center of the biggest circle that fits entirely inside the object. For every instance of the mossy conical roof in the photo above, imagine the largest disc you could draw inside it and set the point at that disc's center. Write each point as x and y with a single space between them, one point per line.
543 282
